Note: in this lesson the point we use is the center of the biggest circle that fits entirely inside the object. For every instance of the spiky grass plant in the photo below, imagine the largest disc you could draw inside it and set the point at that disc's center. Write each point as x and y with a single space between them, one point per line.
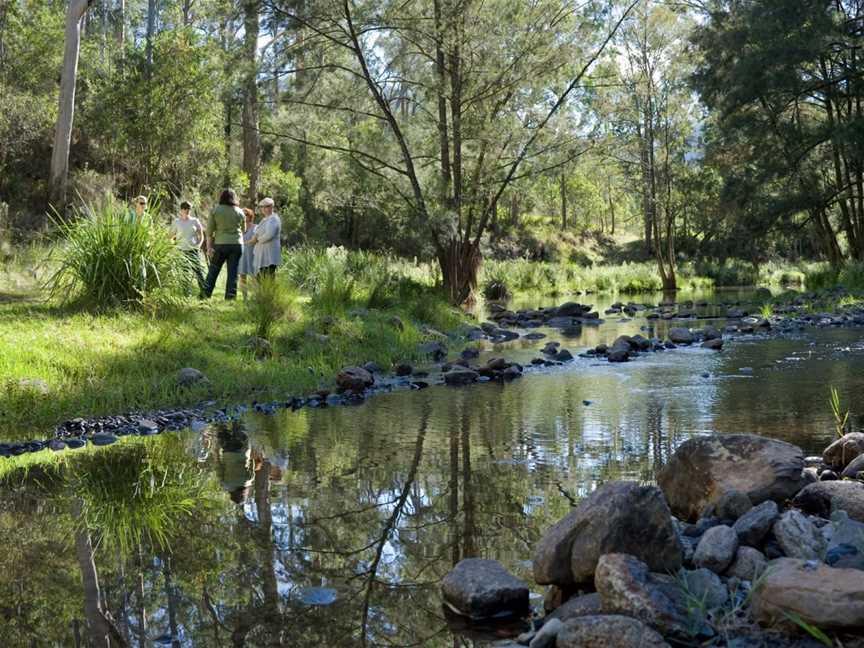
107 259
270 302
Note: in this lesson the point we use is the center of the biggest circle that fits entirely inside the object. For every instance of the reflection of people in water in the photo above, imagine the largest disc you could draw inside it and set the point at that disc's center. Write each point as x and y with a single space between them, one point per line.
235 476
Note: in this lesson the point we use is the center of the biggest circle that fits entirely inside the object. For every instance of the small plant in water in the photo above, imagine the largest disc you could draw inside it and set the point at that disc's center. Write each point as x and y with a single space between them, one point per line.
767 310
841 418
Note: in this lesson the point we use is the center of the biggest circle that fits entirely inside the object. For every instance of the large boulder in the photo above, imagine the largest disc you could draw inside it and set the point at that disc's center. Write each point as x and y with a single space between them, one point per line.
798 537
822 596
619 517
354 379
608 631
826 497
844 450
704 468
481 589
626 586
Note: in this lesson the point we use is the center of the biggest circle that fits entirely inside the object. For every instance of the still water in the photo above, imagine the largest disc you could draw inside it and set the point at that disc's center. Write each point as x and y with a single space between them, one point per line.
333 527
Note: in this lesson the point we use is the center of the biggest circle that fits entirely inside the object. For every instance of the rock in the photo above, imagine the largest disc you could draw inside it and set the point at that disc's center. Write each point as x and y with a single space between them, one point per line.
754 525
846 542
627 587
480 589
823 596
585 605
188 376
75 443
259 347
608 631
545 637
103 439
732 505
716 550
457 376
704 468
828 475
797 536
715 344
434 349
748 565
711 333
735 313
854 468
372 367
564 355
56 445
618 355
844 450
680 335
354 379
826 497
619 517
705 586
403 369
571 309
470 353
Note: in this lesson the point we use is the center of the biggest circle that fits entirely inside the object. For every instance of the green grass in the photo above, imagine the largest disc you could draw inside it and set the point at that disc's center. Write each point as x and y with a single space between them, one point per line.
110 362
850 276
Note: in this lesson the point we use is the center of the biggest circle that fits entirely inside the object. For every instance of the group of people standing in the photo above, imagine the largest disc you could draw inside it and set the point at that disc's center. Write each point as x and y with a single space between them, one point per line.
231 238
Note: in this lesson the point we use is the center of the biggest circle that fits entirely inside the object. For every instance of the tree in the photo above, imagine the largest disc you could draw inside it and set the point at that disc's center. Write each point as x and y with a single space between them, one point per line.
63 134
251 136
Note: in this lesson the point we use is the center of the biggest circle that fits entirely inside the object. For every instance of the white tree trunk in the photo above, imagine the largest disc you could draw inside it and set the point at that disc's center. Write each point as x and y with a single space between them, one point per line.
63 133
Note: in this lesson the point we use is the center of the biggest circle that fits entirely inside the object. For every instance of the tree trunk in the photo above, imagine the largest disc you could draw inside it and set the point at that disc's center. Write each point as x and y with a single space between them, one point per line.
59 173
460 265
251 136
151 32
563 202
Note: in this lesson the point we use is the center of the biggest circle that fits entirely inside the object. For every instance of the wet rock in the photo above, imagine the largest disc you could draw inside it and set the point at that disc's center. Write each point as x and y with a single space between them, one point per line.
618 355
732 505
585 605
103 439
711 333
572 309
748 565
619 517
189 376
844 450
822 596
354 379
545 637
716 550
480 589
704 468
705 586
75 443
797 536
826 497
627 587
828 475
754 525
715 344
564 355
854 468
461 376
608 631
56 445
680 335
403 369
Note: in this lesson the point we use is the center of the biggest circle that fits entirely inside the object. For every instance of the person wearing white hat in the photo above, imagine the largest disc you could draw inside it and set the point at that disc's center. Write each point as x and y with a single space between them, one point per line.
267 240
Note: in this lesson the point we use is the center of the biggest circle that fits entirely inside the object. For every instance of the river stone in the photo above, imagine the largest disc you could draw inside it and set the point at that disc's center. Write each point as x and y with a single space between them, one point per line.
822 596
704 468
571 309
797 536
461 376
715 344
618 517
843 450
856 466
585 605
189 376
103 439
716 550
748 565
545 637
846 544
480 589
754 525
354 379
681 335
608 631
705 586
627 587
826 497
732 505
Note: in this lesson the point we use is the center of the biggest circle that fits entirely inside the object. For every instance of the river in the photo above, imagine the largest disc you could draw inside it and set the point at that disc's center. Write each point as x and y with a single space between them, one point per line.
333 527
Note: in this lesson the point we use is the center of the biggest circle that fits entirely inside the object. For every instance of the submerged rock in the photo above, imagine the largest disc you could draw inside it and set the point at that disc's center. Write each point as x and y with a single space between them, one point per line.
481 589
704 468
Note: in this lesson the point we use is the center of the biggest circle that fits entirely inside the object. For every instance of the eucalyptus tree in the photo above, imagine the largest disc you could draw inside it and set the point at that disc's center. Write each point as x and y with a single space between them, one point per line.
458 94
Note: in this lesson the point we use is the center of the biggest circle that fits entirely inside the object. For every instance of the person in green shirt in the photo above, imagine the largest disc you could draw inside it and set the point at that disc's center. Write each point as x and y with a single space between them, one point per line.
224 239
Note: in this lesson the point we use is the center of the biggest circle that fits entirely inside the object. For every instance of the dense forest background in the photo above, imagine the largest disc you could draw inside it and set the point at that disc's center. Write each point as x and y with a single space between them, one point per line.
452 130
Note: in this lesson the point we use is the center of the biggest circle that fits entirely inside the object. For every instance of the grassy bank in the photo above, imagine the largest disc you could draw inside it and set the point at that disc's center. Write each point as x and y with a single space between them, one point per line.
339 309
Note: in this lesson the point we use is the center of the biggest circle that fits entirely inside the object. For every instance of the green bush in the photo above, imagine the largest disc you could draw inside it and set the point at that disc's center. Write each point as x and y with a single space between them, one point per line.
107 259
270 302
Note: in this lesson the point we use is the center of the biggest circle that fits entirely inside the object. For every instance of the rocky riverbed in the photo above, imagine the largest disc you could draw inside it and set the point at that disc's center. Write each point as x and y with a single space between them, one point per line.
744 541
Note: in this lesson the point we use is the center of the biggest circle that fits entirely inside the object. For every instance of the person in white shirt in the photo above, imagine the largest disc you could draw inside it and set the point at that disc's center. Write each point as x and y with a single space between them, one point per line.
188 233
267 240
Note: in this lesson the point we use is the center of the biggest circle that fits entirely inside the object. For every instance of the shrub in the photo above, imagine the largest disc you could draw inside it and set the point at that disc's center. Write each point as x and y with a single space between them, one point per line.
269 302
109 260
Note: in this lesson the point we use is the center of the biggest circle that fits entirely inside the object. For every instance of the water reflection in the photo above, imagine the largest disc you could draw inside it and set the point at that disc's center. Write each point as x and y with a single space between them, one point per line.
333 527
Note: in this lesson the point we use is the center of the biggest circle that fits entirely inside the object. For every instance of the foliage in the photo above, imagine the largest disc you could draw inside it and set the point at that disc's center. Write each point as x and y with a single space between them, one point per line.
269 303
108 259
841 418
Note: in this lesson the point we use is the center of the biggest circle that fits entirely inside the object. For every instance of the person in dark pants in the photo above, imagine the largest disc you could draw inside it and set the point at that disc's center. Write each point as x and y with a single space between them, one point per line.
224 238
